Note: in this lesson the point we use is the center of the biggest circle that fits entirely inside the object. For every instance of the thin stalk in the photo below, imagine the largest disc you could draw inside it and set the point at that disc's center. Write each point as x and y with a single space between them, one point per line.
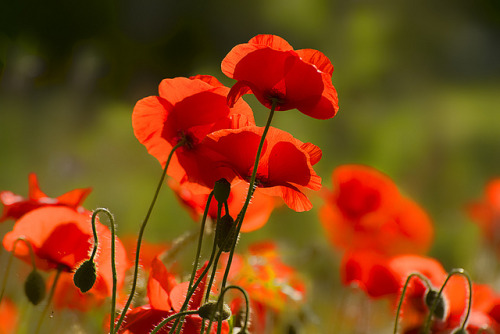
141 232
113 264
400 304
172 317
49 300
195 285
9 262
453 272
241 215
220 304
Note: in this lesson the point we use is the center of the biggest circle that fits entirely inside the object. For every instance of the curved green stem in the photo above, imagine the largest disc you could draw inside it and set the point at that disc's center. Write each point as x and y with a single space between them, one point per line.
113 264
172 317
9 263
401 298
189 294
469 300
453 272
241 215
49 300
220 303
141 233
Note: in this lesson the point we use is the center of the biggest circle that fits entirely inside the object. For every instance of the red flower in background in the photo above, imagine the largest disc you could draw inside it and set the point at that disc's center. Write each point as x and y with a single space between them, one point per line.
166 297
366 211
285 165
62 238
15 206
384 277
257 214
486 213
272 70
188 109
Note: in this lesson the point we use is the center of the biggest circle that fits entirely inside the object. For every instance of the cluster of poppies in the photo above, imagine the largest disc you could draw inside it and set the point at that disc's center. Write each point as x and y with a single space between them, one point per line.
384 237
203 134
228 171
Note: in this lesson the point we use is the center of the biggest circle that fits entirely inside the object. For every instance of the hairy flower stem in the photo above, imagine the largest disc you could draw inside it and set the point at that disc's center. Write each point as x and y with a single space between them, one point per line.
9 263
220 304
172 317
49 299
453 272
190 293
241 215
113 264
403 292
141 232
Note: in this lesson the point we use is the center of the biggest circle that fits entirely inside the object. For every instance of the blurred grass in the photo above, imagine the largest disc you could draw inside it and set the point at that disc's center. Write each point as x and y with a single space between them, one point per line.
418 88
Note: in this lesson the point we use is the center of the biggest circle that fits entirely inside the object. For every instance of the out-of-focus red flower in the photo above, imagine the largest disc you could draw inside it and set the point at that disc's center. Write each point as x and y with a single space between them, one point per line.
257 213
166 297
14 206
266 278
384 277
285 166
366 211
62 238
8 316
484 316
486 213
188 109
272 70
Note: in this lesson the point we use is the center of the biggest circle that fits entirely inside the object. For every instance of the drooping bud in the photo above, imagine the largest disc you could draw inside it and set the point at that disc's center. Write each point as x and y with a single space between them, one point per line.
34 287
222 188
430 298
85 276
210 311
225 233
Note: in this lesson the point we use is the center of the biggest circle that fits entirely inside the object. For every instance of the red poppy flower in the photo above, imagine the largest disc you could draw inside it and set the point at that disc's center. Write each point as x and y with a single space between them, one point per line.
366 211
62 238
257 213
187 109
166 297
381 276
274 175
268 67
15 205
483 318
486 212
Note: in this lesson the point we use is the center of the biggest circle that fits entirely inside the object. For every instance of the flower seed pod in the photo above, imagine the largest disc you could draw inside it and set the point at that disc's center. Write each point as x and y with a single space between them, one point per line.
225 233
210 311
34 287
440 310
222 188
85 276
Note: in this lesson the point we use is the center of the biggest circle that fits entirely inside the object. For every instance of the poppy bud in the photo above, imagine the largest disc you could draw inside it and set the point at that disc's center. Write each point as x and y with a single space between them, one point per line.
211 311
440 310
222 188
225 233
85 276
34 287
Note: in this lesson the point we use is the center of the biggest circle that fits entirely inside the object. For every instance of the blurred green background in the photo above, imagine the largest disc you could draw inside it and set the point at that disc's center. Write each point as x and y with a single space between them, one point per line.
418 82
